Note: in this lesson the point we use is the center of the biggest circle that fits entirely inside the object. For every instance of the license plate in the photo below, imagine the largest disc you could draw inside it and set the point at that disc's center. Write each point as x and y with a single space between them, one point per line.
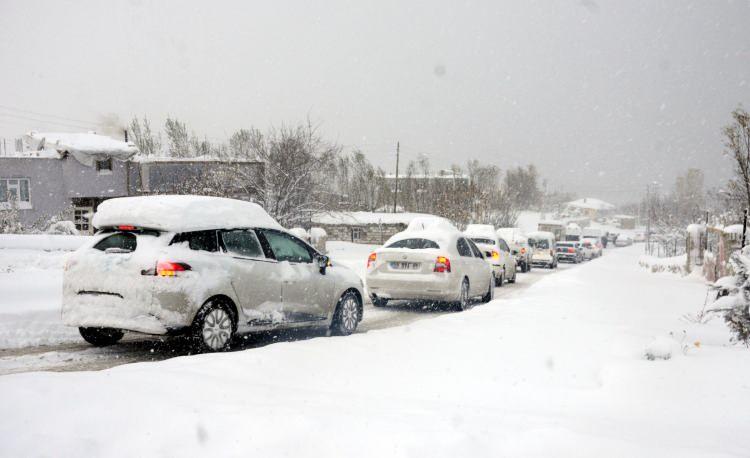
405 265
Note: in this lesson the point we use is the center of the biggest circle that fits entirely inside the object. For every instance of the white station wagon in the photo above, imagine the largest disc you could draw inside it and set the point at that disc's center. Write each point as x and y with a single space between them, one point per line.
204 266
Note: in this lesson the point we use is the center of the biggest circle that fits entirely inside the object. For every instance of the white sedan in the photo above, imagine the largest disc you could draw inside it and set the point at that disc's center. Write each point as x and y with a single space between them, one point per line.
431 264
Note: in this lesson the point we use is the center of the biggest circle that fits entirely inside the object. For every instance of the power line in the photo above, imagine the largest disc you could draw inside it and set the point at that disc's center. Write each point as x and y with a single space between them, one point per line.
47 115
46 121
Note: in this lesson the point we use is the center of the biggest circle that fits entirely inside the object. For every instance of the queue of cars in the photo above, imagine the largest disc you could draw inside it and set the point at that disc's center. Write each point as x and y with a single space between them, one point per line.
211 268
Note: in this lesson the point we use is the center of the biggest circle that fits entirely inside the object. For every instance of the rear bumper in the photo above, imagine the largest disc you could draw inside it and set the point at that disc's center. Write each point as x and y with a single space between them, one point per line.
112 311
413 287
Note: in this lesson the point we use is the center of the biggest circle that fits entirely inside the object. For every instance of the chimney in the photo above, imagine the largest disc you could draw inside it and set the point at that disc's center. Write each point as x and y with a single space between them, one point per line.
126 135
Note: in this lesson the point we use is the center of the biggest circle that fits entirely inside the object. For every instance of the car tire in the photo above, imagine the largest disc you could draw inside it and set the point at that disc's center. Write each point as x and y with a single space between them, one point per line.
464 299
490 292
378 302
346 317
214 327
101 337
499 280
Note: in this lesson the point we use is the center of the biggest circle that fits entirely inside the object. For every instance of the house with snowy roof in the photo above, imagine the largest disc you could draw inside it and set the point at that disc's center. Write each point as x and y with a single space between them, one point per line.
66 176
363 227
589 207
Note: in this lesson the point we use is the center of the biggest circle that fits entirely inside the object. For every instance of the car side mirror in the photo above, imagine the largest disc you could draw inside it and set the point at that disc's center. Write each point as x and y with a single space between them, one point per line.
323 262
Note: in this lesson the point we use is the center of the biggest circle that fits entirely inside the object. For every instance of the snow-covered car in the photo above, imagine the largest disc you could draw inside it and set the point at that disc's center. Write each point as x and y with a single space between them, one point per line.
204 266
496 252
623 240
587 250
519 246
429 262
569 252
544 253
592 244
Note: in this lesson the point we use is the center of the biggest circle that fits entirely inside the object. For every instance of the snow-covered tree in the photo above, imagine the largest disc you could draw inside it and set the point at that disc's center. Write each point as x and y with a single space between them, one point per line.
737 144
734 297
148 143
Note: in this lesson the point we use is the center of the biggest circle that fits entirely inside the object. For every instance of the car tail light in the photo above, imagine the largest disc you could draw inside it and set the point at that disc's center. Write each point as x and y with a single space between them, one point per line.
126 228
495 255
371 260
442 264
571 250
170 269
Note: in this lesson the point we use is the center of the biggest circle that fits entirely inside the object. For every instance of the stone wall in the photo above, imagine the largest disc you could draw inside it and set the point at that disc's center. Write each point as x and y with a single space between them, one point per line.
371 234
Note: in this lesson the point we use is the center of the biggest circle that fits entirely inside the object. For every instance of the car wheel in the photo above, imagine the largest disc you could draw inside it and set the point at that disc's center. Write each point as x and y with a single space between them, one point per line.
501 280
214 326
379 302
101 337
490 292
464 300
346 316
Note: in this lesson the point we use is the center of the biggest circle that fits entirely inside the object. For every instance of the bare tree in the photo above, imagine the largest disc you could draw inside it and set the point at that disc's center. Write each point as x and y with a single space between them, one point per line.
294 159
178 138
148 144
737 144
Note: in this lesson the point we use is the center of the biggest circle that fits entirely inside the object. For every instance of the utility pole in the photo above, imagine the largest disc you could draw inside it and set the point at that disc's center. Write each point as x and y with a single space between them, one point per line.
648 224
395 196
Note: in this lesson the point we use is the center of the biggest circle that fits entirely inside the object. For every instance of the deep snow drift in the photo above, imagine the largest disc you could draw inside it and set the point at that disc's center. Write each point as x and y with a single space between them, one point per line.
561 370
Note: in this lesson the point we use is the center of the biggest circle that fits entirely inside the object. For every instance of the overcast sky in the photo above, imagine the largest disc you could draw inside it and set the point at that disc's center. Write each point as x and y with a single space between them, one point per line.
603 96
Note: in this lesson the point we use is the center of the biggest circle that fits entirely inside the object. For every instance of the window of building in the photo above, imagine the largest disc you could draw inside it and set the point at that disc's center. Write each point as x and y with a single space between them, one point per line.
104 165
82 218
356 234
14 189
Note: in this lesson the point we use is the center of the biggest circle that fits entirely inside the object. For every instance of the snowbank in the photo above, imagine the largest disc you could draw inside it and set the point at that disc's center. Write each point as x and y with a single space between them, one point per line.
46 242
182 213
558 371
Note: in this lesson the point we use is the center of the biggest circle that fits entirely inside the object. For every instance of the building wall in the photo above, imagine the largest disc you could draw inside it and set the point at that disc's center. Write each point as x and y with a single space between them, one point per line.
371 234
46 190
84 181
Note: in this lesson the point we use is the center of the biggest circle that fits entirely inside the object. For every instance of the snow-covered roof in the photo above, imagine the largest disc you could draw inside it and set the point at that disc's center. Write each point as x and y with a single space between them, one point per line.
733 229
591 203
182 213
364 218
86 148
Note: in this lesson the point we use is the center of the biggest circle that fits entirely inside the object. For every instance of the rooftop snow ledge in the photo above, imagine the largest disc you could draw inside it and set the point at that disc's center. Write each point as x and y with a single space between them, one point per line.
86 148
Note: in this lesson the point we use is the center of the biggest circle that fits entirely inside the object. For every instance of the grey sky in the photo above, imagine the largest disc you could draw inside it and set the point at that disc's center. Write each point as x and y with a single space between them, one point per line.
603 96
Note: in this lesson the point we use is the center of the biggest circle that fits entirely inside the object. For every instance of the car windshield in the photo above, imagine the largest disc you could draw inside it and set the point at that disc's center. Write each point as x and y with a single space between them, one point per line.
414 244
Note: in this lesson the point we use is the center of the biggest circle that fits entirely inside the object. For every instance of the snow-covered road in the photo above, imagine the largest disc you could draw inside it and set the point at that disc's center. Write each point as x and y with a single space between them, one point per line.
78 355
558 370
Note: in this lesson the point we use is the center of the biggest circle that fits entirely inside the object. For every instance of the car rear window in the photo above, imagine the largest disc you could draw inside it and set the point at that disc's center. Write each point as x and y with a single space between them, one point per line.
414 244
124 241
198 240
483 241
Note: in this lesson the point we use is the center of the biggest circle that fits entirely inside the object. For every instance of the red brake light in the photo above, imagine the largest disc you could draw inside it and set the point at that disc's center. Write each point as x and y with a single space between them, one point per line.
442 264
169 269
571 250
371 260
126 228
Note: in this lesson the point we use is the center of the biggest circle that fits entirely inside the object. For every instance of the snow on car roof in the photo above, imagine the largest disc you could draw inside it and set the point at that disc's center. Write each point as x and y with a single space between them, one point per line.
444 238
486 231
540 235
429 222
182 213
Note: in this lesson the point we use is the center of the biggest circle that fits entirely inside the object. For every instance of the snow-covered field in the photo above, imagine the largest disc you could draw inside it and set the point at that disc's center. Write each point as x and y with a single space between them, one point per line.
558 371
